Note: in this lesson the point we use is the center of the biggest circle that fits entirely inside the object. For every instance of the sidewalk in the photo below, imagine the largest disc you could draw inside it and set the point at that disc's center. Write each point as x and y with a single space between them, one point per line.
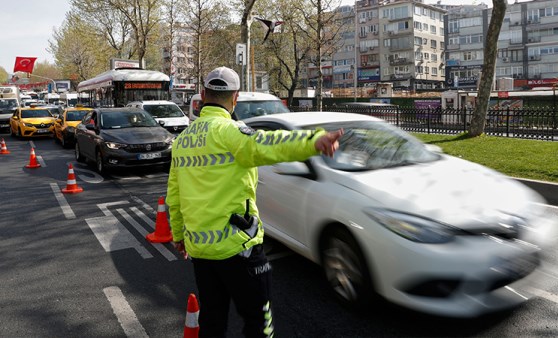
548 190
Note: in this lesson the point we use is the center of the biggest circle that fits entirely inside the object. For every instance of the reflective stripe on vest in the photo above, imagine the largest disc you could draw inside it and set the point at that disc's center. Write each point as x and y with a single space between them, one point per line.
210 236
202 160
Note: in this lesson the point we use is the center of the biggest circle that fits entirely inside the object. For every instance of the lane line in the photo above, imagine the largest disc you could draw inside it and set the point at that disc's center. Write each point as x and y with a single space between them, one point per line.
126 316
66 209
41 161
141 215
104 206
544 294
144 205
158 246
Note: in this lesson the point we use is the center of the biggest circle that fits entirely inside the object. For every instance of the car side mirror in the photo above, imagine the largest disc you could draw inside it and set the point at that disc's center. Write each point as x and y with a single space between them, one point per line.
291 168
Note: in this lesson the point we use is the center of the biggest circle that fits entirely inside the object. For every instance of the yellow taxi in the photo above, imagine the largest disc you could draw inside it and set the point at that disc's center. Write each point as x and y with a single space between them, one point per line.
65 124
32 121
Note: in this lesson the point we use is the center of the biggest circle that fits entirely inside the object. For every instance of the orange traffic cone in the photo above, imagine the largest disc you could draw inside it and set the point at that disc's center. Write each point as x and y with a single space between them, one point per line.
3 148
33 160
71 185
191 326
162 232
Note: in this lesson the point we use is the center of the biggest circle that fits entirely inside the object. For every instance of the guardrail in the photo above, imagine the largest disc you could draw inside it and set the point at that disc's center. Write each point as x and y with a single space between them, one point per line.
525 123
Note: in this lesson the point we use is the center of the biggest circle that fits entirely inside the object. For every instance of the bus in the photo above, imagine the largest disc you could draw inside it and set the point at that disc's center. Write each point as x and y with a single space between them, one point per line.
117 87
69 99
181 93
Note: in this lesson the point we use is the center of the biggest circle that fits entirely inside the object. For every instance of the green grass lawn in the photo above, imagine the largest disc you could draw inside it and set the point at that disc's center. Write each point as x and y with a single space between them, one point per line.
537 160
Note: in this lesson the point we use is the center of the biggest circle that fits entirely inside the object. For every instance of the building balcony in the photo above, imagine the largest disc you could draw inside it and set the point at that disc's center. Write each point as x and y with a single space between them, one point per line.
400 61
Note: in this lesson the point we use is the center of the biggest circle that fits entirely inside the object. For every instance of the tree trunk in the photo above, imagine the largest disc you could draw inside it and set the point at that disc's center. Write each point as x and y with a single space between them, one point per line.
487 76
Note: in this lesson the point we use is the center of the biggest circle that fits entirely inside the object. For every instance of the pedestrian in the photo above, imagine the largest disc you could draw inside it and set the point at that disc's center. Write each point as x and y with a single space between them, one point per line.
212 204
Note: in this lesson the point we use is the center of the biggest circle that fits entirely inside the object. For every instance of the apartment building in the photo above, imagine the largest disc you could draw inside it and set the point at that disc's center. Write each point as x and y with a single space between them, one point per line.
527 45
397 41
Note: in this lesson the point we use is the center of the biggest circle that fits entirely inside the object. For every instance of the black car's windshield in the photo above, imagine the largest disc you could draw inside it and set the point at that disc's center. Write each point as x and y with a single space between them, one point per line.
369 145
163 110
25 114
75 115
124 119
246 109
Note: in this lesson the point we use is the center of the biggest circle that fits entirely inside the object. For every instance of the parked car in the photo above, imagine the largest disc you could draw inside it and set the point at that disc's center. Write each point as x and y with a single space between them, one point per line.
122 137
167 113
65 124
32 122
391 216
249 104
7 108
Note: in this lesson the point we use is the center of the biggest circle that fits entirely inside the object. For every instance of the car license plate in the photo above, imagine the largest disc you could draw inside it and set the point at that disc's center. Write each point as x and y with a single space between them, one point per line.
42 131
148 156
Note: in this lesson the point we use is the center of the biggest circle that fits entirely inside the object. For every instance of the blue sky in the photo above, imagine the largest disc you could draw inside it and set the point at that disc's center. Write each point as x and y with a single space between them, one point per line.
28 25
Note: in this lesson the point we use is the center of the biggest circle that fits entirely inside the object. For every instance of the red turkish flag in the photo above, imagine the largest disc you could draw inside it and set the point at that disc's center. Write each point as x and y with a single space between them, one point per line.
24 64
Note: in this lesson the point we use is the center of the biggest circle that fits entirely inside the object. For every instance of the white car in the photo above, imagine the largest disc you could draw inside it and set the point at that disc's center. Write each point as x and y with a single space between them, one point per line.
249 104
391 216
167 113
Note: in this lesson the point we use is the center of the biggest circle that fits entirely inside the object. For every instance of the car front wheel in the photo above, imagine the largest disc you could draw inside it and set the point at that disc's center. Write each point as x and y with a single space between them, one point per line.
345 269
79 156
99 163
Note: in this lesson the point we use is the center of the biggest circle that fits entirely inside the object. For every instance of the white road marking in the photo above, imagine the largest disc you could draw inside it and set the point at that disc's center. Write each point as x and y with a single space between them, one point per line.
114 236
66 209
544 294
144 205
143 217
41 161
126 316
104 206
159 246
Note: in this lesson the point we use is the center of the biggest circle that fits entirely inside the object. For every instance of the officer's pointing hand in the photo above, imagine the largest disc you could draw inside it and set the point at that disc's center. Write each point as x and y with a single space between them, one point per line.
328 143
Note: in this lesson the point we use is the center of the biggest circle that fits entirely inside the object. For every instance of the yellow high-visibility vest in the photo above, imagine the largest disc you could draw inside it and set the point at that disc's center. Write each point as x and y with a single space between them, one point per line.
214 171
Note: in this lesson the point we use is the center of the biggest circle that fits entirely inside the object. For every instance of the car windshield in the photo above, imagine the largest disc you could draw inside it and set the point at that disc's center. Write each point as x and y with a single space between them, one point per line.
163 110
75 115
370 145
123 119
246 109
25 114
7 104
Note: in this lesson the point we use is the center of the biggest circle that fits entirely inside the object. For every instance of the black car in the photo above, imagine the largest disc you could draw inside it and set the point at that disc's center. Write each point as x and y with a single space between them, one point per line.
122 137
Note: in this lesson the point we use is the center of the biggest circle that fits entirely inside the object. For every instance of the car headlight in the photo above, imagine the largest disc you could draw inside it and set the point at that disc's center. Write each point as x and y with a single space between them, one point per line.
114 145
412 227
170 140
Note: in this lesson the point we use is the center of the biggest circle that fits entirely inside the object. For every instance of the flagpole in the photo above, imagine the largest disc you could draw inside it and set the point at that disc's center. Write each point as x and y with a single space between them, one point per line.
46 78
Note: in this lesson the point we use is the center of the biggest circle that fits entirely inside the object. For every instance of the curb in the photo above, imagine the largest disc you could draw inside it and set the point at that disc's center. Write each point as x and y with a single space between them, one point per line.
548 190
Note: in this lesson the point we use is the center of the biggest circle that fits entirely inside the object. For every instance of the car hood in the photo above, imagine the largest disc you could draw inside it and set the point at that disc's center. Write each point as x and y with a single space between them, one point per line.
174 121
37 120
450 190
72 123
137 135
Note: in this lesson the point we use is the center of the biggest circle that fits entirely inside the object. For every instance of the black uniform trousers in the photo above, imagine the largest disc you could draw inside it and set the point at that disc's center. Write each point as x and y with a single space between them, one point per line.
246 281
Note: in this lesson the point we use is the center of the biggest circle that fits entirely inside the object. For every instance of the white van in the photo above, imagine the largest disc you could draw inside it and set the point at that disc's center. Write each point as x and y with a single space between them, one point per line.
167 113
249 104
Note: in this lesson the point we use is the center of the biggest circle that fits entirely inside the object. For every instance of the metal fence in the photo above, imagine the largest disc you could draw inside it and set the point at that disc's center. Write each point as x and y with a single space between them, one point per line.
538 124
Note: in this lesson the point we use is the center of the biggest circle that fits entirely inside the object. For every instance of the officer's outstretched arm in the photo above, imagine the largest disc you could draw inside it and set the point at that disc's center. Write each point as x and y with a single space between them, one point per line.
252 148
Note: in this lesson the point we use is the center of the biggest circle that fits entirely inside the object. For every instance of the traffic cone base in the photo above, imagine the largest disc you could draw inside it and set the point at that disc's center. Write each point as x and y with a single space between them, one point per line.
33 160
3 149
191 326
71 185
162 232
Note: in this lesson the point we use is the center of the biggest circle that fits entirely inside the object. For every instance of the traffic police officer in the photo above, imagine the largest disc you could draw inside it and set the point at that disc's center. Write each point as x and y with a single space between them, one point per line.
212 204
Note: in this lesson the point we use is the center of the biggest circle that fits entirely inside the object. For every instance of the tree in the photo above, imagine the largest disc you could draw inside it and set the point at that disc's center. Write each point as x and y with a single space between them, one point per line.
322 28
3 75
79 52
284 54
487 76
